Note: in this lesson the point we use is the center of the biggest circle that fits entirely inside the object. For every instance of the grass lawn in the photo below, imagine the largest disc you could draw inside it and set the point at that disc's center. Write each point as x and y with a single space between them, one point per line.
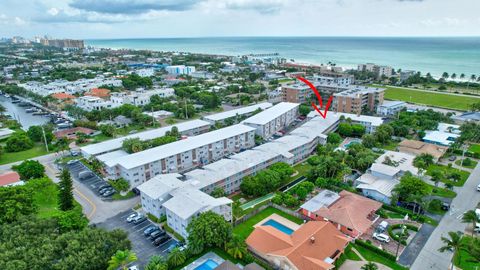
302 169
474 148
391 145
430 98
472 165
46 199
446 171
37 150
462 257
246 228
442 192
117 196
374 257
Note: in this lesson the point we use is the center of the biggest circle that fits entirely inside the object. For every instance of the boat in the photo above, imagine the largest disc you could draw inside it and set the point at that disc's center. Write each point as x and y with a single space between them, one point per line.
40 112
64 125
24 104
31 110
7 95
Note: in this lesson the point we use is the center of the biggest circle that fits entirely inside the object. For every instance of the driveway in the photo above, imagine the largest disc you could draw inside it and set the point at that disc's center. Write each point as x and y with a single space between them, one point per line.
410 253
141 245
467 198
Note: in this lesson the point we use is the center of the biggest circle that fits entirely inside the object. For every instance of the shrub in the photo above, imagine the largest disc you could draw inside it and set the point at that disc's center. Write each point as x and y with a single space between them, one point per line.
378 251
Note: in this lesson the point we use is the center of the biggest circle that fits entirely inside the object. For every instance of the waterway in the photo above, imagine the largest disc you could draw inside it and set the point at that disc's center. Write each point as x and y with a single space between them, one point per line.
18 113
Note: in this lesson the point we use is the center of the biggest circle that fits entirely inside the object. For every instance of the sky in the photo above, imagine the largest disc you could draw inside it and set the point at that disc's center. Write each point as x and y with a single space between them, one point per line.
96 19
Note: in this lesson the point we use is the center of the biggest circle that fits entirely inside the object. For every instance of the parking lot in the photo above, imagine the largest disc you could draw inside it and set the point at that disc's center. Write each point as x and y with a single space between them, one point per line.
141 245
93 182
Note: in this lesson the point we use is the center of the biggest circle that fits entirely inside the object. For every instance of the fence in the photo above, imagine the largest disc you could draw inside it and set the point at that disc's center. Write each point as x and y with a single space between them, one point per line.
263 207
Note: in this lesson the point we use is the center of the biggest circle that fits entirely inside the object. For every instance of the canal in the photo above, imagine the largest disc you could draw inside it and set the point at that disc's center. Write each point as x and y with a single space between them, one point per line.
18 113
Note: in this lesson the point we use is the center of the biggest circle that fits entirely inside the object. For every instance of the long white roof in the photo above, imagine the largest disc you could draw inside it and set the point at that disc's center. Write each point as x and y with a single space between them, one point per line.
270 114
167 150
115 144
240 111
161 185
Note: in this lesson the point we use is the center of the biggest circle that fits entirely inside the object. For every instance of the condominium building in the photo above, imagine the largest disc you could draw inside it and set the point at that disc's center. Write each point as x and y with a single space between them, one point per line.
180 70
240 112
188 128
379 71
357 99
270 121
333 78
89 103
389 108
167 195
181 155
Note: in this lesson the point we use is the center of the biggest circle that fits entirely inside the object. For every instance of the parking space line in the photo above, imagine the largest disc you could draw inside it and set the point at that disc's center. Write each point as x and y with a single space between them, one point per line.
94 207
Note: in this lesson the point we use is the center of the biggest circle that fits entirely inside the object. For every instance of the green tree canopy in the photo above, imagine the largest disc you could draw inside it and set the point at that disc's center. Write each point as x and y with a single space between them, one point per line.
29 169
208 230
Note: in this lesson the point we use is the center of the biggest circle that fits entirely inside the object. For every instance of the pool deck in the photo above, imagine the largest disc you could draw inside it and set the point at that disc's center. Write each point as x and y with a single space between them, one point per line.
287 223
208 256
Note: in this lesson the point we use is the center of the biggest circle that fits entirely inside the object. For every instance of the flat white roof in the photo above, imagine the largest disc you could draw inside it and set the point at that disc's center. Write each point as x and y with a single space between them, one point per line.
439 137
161 185
375 121
111 155
163 151
404 161
114 144
392 103
323 199
239 111
382 186
6 132
270 114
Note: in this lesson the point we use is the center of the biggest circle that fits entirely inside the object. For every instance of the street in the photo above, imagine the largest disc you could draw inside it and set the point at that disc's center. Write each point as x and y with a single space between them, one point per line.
467 198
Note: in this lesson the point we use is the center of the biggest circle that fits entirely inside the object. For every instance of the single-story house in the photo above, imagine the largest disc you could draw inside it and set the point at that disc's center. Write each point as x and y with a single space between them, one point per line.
314 246
416 148
10 179
64 97
350 213
71 133
5 133
122 121
445 135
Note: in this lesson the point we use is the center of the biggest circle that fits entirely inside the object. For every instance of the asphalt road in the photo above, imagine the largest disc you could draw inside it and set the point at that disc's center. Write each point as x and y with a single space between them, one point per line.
467 198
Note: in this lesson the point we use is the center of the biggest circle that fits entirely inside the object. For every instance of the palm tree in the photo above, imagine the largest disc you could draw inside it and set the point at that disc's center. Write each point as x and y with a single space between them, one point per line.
176 257
445 75
453 76
369 266
470 217
236 247
462 76
121 259
156 263
453 244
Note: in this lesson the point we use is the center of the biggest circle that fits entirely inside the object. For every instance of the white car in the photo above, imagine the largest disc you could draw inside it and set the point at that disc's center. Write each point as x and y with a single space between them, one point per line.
478 187
132 217
381 237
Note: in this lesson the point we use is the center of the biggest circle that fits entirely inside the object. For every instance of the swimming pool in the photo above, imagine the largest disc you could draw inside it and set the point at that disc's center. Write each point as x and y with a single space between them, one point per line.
207 265
278 226
347 145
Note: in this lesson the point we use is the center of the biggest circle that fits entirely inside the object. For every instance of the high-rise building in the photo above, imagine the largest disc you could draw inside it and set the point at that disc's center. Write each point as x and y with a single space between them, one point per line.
357 99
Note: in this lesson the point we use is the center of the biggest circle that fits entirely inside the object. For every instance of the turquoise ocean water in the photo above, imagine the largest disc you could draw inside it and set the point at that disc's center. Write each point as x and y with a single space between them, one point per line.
434 55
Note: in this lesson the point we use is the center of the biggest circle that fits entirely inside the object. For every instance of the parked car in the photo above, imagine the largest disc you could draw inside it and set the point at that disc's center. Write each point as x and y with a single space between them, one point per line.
109 193
85 174
452 158
161 240
106 190
158 233
104 186
131 217
74 153
381 237
150 229
133 267
478 187
414 207
71 162
382 227
171 247
139 219
445 206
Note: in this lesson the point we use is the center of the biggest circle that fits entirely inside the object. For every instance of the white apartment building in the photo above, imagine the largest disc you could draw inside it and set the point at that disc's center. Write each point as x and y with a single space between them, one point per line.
369 122
389 108
188 128
60 86
139 98
180 70
181 155
274 119
145 72
341 79
90 103
179 201
244 111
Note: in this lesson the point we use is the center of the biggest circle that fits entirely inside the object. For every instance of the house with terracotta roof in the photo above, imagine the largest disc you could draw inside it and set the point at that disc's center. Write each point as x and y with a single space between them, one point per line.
99 92
63 98
416 148
314 246
350 213
10 179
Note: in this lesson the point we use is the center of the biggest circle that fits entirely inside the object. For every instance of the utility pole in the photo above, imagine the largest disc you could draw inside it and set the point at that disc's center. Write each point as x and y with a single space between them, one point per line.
153 118
186 109
464 147
45 138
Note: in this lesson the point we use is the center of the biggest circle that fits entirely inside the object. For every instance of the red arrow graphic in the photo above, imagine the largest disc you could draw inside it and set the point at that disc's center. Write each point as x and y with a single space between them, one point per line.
319 98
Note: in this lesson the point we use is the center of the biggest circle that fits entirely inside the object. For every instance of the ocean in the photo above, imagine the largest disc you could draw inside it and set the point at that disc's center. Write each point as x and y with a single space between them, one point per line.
425 54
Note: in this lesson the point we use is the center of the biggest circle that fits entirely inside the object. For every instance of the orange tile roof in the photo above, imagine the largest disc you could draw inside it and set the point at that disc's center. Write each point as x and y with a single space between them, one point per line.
9 178
98 92
351 210
298 247
63 96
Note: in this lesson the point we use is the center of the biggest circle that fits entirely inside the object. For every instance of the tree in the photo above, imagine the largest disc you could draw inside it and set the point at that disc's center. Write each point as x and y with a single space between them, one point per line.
121 259
237 247
445 75
120 184
304 109
470 217
156 263
452 244
65 194
410 186
35 133
62 144
19 141
383 133
16 201
107 130
217 192
209 230
176 257
423 161
334 138
345 129
369 266
29 169
368 140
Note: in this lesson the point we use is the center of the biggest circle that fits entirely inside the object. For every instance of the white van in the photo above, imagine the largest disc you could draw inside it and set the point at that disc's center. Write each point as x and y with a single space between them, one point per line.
381 237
